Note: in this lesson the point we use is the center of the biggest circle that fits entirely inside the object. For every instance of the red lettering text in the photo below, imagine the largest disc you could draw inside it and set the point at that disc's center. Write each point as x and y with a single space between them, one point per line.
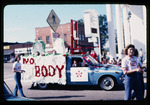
50 71
50 66
25 61
44 69
37 71
59 69
31 61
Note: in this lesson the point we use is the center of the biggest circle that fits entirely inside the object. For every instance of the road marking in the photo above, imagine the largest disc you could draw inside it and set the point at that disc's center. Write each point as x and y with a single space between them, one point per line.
6 76
8 79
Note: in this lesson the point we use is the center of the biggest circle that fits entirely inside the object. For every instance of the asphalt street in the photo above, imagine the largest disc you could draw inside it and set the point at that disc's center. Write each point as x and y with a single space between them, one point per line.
65 92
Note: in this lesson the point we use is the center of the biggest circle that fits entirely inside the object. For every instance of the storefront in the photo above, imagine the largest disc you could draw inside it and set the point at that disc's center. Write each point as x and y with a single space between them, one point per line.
8 54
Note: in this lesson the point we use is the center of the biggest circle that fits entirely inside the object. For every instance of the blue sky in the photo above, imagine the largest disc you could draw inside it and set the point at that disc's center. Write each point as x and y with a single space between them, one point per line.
20 21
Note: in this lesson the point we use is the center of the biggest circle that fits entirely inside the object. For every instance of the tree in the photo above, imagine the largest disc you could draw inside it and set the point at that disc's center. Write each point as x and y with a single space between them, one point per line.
81 22
103 25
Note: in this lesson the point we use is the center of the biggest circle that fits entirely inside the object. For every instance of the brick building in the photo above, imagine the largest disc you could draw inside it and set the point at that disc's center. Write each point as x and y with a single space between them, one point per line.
64 30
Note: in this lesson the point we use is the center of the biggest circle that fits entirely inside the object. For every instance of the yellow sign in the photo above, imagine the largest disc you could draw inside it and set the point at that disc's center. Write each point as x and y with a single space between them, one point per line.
6 47
53 20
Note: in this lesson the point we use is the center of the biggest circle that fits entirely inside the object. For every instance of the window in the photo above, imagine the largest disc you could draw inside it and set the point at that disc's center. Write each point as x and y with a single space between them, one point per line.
93 30
83 37
77 62
64 36
39 38
47 40
80 37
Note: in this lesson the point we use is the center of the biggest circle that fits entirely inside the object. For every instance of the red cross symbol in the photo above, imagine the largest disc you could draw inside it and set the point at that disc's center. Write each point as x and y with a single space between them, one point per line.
79 74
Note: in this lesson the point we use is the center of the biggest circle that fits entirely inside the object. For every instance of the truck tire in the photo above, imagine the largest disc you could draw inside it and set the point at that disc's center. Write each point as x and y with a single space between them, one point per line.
107 83
42 85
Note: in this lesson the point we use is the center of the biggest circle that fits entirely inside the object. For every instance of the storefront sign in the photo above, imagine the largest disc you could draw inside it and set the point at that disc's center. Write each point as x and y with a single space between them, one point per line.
6 47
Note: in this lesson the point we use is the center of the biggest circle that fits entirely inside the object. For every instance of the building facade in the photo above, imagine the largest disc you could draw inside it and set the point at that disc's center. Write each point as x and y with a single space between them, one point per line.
46 34
131 25
11 49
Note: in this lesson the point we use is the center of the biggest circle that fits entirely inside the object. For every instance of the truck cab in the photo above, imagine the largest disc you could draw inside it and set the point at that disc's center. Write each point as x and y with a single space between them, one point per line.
89 72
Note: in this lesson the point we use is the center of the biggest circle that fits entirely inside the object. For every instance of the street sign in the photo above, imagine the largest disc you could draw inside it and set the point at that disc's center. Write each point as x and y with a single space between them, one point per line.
91 23
53 20
91 28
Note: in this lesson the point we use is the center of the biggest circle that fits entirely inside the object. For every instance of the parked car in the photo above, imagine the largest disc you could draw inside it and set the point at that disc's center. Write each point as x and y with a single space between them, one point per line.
11 60
5 60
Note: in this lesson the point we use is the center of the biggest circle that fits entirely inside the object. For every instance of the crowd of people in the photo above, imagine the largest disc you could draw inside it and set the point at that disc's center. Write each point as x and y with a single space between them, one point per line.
105 59
115 61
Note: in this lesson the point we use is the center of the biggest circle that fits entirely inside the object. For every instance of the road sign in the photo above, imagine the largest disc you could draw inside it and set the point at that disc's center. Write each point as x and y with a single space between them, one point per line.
91 23
53 20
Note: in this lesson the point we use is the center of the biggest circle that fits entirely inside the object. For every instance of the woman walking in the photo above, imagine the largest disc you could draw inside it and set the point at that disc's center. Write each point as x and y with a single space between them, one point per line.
140 74
17 70
130 69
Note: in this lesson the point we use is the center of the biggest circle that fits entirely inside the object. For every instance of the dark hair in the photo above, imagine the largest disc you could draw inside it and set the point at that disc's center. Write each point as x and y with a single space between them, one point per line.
18 55
127 47
136 53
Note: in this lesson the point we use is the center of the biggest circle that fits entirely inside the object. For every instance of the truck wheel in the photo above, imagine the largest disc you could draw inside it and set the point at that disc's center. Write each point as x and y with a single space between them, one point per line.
42 85
107 83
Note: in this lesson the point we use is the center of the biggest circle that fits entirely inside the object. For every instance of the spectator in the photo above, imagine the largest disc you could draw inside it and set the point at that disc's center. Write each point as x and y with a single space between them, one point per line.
119 62
140 75
114 62
103 55
17 70
104 61
130 69
93 54
141 55
122 54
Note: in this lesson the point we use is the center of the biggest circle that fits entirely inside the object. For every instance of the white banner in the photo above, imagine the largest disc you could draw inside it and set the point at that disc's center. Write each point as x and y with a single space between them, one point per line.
44 69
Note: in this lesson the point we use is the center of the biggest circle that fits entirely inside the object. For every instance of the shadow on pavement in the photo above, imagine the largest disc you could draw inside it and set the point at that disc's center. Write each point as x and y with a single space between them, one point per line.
76 87
57 97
